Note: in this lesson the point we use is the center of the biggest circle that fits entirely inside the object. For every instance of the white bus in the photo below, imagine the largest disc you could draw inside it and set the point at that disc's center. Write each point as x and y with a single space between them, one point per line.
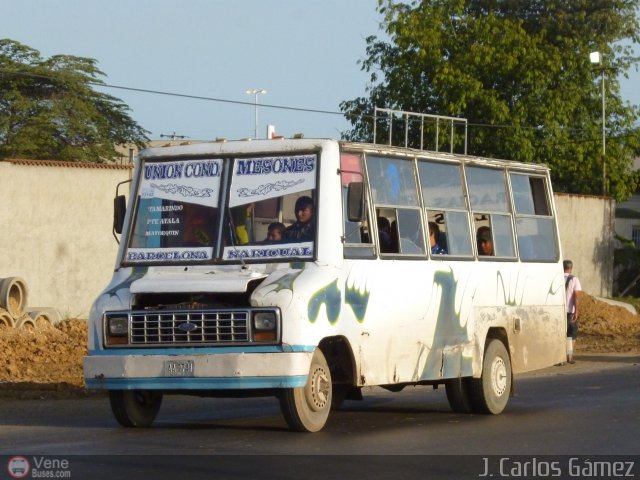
203 301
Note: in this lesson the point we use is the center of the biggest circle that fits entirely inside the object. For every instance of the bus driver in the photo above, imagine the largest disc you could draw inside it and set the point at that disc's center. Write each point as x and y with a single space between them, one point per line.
303 230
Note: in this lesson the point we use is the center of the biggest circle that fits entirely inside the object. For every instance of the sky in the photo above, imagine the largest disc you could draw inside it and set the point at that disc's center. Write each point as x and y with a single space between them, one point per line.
304 53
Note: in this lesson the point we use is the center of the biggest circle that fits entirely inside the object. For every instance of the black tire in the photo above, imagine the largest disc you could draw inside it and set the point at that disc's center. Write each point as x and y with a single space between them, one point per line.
135 408
459 395
307 408
490 393
339 394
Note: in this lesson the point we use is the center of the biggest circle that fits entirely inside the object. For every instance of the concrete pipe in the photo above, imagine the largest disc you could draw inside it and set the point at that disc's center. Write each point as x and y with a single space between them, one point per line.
47 314
6 320
26 322
13 295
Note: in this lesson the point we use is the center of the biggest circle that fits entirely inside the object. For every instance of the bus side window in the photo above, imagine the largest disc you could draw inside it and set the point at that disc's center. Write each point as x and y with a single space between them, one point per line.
534 223
356 234
395 197
410 232
437 231
388 239
494 235
491 208
441 185
355 231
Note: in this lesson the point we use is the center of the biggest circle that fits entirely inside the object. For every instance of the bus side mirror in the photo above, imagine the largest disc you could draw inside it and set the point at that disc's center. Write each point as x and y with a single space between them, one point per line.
355 201
119 211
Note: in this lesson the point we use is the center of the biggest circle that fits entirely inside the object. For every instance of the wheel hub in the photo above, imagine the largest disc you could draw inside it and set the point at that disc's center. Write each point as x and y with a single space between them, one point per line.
499 379
319 391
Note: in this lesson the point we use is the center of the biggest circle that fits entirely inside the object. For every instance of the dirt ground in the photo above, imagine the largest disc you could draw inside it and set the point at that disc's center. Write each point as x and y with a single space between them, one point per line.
605 328
47 361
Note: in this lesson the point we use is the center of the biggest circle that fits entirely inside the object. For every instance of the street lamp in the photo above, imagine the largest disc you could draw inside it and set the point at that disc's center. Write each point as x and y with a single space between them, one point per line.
256 92
596 59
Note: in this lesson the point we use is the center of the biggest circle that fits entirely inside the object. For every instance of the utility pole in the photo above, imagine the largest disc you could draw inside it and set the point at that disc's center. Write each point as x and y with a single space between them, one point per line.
256 92
597 59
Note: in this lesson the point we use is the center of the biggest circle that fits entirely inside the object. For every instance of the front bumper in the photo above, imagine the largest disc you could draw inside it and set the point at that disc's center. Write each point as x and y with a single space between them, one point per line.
209 371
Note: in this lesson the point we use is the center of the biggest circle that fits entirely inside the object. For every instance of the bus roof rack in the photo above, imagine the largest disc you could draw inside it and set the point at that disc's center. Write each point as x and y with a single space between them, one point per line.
420 117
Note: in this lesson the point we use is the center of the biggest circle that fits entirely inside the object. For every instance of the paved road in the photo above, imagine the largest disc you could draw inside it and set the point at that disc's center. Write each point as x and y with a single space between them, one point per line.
592 407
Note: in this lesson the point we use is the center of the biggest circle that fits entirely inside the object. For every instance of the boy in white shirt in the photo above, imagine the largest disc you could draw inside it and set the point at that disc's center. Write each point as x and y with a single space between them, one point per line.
572 286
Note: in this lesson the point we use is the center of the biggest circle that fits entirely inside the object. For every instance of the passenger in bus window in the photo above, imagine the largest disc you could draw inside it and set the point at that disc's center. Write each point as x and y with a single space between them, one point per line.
303 230
485 241
395 237
434 233
275 232
199 222
384 235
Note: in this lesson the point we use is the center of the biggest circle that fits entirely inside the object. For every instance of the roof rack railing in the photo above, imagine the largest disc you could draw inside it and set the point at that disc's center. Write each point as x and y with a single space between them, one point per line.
413 116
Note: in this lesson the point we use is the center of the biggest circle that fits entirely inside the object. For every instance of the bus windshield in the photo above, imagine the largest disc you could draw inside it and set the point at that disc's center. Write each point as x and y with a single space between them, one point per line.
187 212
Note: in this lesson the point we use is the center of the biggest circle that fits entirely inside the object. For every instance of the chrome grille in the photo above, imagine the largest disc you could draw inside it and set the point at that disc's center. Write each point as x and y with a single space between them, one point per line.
189 327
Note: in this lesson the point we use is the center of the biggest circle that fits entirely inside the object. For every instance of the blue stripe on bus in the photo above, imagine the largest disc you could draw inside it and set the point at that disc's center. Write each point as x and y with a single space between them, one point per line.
203 351
195 383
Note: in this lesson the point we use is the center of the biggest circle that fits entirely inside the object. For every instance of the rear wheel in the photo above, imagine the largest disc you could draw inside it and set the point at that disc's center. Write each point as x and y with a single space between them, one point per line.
490 393
459 395
135 408
306 409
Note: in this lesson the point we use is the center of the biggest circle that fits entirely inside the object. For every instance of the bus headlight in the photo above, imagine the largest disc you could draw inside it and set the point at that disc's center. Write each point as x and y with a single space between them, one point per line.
117 330
265 327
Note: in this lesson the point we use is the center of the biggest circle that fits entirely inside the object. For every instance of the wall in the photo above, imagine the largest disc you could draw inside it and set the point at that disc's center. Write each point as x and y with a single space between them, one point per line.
55 230
586 225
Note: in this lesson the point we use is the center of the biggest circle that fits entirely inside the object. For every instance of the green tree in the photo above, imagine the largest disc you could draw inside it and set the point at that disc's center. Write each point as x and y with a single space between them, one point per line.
519 71
49 109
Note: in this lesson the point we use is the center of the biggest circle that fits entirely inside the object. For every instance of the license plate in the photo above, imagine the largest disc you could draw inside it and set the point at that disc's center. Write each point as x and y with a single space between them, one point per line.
179 368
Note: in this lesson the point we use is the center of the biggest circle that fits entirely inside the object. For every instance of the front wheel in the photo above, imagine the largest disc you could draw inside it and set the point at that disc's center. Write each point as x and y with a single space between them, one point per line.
490 393
306 409
135 408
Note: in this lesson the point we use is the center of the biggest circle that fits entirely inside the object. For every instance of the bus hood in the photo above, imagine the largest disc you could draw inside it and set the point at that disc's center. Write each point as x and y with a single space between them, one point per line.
158 280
